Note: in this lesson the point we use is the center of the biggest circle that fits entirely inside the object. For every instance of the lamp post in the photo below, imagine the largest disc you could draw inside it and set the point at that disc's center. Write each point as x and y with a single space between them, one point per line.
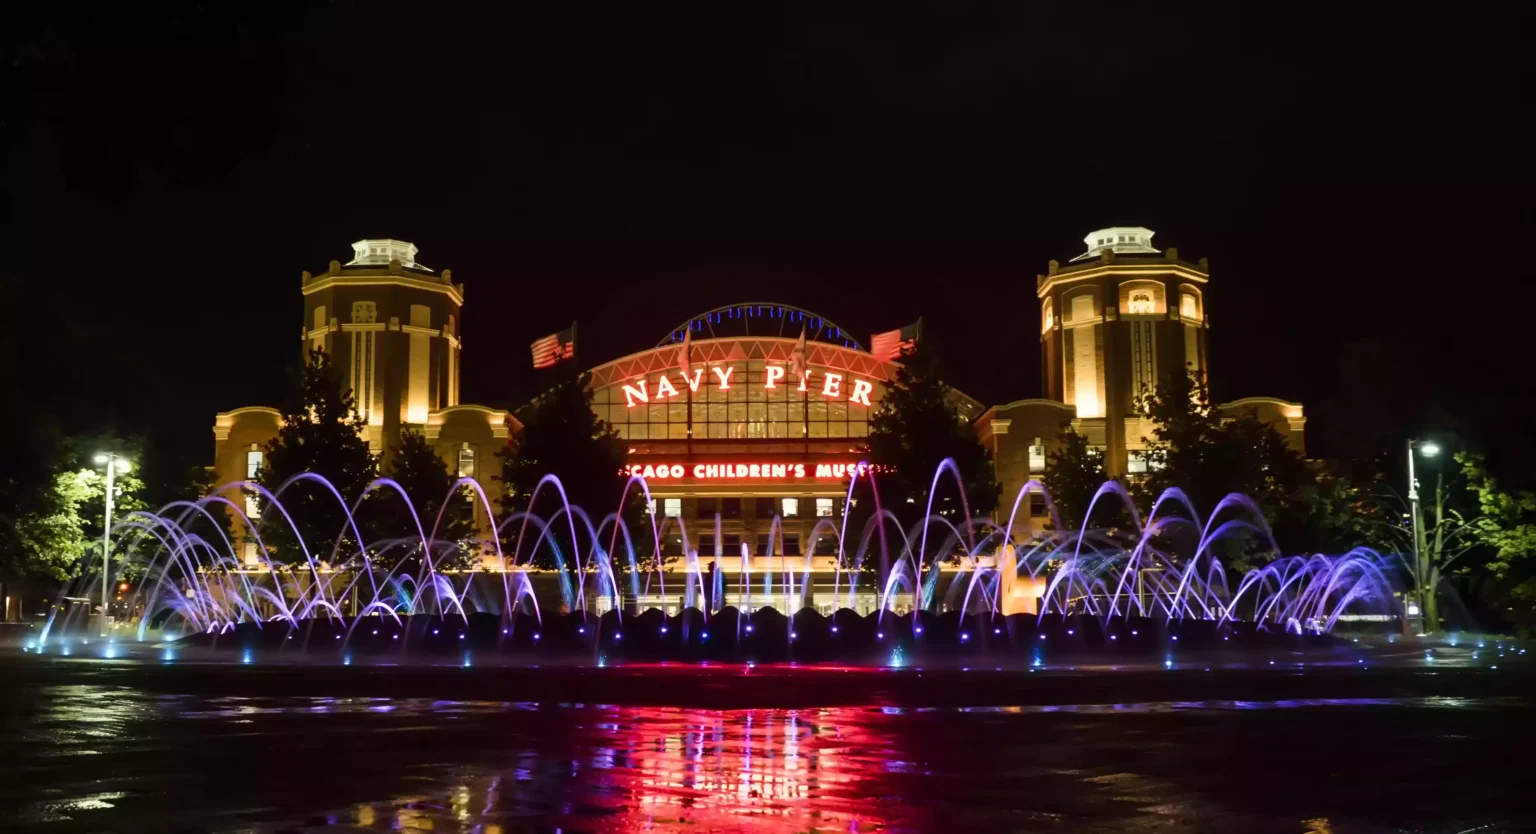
1428 449
114 463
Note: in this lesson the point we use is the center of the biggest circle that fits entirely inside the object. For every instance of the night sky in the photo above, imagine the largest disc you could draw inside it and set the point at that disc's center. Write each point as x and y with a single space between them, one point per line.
1354 181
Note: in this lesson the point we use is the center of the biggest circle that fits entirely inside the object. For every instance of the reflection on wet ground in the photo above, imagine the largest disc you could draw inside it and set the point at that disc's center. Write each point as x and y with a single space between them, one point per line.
88 757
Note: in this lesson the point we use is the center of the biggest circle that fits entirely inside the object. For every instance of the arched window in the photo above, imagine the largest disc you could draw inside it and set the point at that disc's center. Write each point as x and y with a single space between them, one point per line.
1047 316
1083 308
1189 306
1142 298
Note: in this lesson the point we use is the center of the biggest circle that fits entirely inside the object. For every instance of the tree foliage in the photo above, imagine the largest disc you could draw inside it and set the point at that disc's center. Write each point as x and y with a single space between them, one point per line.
321 433
1073 473
51 532
914 429
1209 457
1507 524
425 477
561 435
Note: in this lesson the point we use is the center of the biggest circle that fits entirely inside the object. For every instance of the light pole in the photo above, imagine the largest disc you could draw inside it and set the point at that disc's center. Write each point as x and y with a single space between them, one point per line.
114 463
1428 449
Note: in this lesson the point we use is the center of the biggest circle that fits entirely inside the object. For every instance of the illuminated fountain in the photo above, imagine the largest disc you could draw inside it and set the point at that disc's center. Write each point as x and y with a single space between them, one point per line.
972 587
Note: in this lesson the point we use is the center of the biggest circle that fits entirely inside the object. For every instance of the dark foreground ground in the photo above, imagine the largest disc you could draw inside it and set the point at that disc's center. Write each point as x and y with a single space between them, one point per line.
87 745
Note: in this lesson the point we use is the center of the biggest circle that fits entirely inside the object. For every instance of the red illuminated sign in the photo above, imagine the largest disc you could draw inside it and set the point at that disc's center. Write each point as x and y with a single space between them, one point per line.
747 471
639 392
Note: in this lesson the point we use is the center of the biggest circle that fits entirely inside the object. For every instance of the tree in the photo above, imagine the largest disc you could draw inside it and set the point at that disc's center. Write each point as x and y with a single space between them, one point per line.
1208 457
1506 529
1073 473
561 435
915 428
321 433
51 533
50 540
424 476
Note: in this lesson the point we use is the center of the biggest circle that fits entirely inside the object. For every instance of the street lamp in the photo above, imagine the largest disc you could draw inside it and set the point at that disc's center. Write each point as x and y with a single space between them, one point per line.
1427 448
114 463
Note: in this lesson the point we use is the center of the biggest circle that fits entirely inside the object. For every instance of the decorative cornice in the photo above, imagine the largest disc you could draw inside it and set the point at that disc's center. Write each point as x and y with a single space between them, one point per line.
1100 270
325 282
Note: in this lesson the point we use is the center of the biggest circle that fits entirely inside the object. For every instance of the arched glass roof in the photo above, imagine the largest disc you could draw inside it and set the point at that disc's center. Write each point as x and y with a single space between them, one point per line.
761 318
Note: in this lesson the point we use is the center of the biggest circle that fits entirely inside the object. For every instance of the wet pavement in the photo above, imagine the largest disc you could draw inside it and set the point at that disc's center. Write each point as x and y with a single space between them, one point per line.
94 748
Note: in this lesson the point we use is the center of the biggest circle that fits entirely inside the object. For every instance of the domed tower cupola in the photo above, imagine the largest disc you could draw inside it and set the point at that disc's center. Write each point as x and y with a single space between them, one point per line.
1122 240
381 252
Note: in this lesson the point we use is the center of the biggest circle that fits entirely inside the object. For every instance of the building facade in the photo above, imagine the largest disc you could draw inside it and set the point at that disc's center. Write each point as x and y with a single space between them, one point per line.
747 432
1113 320
747 439
391 327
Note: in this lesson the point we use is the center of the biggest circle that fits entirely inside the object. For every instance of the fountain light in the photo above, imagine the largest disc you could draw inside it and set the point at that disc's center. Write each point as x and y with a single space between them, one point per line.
704 635
434 631
375 632
461 635
834 629
1070 631
395 637
1175 638
581 629
749 628
919 629
537 635
997 631
793 635
663 629
1168 664
1134 632
1113 637
879 635
964 636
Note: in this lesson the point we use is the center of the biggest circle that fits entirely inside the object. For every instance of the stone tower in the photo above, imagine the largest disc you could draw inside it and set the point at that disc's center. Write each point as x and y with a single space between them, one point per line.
391 326
1112 321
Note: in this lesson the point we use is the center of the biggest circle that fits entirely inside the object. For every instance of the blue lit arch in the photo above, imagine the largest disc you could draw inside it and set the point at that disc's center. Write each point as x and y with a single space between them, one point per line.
761 318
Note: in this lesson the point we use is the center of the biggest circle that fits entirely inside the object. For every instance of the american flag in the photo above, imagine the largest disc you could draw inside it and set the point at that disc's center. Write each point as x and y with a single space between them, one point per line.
554 348
893 343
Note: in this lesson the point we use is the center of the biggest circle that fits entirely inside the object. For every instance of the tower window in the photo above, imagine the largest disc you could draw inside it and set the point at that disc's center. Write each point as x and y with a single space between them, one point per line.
1141 303
1082 307
466 463
1037 458
1189 307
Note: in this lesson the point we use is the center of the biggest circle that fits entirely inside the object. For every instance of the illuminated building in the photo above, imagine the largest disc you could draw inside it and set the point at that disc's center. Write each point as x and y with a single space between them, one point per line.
1113 320
391 326
744 455
739 442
